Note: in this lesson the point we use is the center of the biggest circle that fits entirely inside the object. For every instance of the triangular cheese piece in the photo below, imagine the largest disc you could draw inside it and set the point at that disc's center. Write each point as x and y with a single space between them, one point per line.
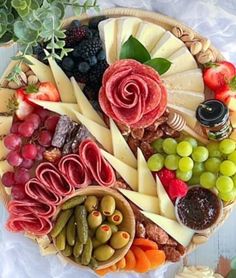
129 174
5 167
85 106
101 133
5 96
5 124
146 181
144 202
63 83
121 149
181 234
3 150
167 208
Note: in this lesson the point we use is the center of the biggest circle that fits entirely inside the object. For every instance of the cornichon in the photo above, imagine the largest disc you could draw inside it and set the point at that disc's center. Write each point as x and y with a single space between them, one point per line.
93 263
61 222
60 240
78 249
73 202
67 252
87 252
82 224
70 231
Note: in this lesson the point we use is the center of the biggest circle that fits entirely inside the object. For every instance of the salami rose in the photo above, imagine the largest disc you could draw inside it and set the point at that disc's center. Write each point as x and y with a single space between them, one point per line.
132 94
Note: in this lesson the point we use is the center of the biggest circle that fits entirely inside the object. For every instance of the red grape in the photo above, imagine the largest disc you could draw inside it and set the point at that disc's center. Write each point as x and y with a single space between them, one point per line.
40 152
18 192
34 119
43 114
21 175
29 151
27 164
51 123
26 129
14 127
8 179
45 138
12 141
14 159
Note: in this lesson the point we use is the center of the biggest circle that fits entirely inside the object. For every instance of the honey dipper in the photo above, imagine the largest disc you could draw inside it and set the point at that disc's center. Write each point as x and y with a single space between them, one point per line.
178 123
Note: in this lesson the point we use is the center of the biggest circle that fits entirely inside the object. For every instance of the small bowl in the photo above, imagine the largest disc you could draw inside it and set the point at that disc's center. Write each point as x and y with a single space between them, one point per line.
128 223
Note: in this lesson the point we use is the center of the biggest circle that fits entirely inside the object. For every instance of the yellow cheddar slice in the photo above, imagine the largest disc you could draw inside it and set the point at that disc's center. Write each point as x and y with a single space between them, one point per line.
5 167
129 174
5 124
233 119
144 202
5 97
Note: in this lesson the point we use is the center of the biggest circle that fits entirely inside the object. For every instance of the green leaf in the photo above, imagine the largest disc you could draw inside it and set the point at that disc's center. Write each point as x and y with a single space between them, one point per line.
77 10
133 49
3 30
24 33
161 65
3 17
19 4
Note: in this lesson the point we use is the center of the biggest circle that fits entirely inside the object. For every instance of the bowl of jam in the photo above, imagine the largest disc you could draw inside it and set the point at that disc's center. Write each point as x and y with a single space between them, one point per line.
199 210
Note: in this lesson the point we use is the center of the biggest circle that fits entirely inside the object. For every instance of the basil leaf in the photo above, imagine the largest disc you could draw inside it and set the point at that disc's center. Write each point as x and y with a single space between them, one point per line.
133 49
161 65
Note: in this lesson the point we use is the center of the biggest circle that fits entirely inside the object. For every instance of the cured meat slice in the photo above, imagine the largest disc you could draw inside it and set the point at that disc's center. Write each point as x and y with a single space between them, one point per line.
99 168
74 170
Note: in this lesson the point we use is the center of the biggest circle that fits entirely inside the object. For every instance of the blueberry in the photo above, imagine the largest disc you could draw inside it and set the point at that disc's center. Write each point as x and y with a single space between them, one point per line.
37 49
75 24
83 67
76 52
68 64
101 55
92 60
93 23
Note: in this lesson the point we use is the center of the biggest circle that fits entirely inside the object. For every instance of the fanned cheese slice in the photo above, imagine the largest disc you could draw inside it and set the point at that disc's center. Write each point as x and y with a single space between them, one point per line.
63 83
85 107
121 149
149 34
5 96
167 208
146 182
5 124
42 71
180 233
5 167
167 45
3 150
101 133
144 202
129 174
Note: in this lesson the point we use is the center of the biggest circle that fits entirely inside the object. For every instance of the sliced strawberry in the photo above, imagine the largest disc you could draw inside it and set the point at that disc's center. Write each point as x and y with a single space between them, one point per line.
22 108
45 91
218 74
227 92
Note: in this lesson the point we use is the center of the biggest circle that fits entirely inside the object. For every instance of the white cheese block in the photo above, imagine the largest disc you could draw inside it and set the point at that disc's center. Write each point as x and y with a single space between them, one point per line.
43 241
63 83
180 233
42 71
129 174
5 124
190 80
146 182
3 150
144 202
181 60
149 34
5 96
85 106
167 208
101 133
5 167
167 45
121 149
49 250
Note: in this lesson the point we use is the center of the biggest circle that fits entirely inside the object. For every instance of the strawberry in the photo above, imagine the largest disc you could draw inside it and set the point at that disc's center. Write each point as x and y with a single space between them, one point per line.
218 74
20 106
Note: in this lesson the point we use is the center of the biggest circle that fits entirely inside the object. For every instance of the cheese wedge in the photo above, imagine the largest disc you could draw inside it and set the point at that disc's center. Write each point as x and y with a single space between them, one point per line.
85 107
149 34
3 150
5 124
5 167
180 233
233 119
232 104
129 174
181 60
167 208
190 80
121 149
233 135
146 182
101 133
167 45
144 202
5 96
63 83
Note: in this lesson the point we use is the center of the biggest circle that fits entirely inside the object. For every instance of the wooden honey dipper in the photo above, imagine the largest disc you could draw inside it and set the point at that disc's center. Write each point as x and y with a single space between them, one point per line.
178 123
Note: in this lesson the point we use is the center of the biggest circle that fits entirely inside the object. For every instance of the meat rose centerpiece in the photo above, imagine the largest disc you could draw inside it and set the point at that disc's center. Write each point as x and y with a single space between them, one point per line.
132 94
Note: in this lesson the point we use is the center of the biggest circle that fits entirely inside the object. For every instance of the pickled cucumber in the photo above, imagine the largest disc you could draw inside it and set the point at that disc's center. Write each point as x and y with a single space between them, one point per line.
108 205
116 218
119 239
78 249
94 219
103 233
93 263
91 203
103 253
67 252
61 221
82 224
60 240
71 231
87 252
73 202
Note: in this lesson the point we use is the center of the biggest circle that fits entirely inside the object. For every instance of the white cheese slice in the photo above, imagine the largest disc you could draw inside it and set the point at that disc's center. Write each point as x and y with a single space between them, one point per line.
167 45
42 71
149 34
146 181
167 208
180 233
43 241
5 167
3 150
5 124
144 202
129 174
181 60
5 96
101 133
190 80
85 106
121 149
63 83
50 250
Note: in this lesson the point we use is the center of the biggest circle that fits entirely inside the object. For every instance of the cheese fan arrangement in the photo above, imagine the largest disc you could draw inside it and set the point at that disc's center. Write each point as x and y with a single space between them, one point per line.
121 156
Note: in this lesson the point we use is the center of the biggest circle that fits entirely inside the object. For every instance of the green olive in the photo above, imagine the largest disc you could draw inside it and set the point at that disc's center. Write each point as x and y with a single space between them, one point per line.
108 205
119 239
114 228
94 219
91 203
96 243
116 218
103 233
103 253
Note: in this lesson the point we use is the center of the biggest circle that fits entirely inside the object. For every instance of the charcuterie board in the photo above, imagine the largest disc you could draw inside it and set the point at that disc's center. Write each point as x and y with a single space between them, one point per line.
109 157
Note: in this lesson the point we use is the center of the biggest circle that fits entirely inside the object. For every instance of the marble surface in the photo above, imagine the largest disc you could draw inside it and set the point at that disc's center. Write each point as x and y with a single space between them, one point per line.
215 19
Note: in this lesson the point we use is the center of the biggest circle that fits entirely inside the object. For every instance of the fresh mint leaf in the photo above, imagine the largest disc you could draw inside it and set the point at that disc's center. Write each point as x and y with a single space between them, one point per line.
161 65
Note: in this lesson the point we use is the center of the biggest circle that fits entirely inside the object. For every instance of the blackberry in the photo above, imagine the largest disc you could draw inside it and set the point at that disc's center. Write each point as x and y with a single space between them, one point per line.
91 92
93 23
92 60
88 47
77 34
81 77
96 73
38 49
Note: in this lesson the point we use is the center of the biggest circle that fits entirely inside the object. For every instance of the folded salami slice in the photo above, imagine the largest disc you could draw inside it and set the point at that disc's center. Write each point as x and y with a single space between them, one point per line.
99 168
48 175
74 170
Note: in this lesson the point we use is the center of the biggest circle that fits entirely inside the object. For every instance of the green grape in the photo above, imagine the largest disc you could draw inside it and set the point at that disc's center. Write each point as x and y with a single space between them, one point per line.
156 162
192 141
172 162
232 156
227 168
200 154
194 180
213 164
169 146
228 196
185 164
184 176
184 148
198 168
234 180
227 146
157 145
207 180
213 148
224 184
